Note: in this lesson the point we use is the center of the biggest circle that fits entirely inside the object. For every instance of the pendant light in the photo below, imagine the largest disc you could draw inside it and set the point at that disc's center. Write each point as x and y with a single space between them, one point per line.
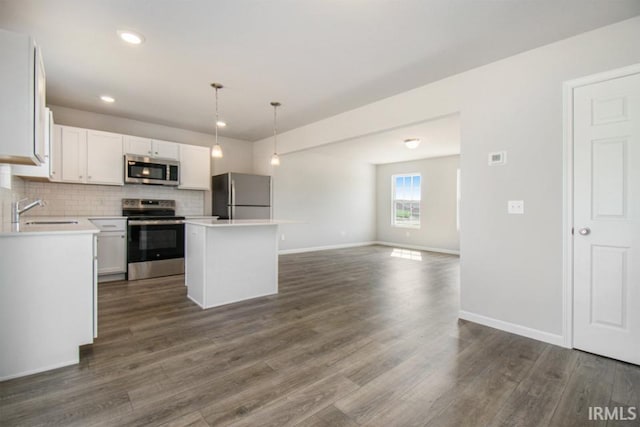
216 150
275 160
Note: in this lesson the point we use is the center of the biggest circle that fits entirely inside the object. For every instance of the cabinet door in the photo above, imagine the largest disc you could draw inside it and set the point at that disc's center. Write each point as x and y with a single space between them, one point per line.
41 172
165 149
195 163
73 154
55 154
112 256
105 164
138 146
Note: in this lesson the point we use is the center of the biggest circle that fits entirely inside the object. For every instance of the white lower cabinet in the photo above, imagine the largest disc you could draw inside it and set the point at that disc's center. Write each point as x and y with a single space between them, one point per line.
111 247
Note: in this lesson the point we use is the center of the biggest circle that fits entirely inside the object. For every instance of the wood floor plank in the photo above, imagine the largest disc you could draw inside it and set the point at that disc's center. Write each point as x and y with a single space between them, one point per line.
354 336
590 384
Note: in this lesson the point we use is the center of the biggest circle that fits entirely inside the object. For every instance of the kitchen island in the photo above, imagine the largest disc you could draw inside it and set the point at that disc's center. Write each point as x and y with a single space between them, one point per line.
230 260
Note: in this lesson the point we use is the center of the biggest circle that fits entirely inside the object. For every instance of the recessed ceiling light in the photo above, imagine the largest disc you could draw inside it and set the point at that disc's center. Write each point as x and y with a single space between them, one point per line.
108 99
412 143
131 37
220 124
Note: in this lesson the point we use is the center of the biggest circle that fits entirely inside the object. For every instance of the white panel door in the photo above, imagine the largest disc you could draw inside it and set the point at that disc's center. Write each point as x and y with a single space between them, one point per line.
105 162
607 218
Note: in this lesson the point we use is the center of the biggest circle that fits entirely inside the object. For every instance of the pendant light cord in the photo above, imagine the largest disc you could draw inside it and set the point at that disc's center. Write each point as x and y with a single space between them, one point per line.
275 131
216 124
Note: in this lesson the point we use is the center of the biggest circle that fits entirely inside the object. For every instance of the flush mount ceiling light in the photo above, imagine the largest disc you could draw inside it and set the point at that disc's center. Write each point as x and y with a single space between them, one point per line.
220 124
131 37
216 150
275 160
108 99
412 143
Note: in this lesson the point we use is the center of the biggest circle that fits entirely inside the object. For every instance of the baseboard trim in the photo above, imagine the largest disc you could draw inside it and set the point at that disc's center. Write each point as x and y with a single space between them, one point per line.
419 248
512 328
324 248
39 370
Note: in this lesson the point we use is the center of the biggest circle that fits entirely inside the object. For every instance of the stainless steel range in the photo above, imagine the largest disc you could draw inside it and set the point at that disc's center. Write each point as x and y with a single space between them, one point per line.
155 245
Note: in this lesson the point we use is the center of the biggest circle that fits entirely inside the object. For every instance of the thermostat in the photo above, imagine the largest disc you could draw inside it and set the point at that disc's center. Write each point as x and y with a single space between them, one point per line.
497 158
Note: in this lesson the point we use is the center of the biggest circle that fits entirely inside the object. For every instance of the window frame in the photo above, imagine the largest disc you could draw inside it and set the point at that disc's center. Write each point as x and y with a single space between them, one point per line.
393 200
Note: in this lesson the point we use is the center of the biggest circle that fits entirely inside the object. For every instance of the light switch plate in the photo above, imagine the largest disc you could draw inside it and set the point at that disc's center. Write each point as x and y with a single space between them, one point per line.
515 206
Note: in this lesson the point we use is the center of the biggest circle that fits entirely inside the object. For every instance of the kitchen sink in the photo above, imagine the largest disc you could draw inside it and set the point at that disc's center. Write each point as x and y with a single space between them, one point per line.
52 222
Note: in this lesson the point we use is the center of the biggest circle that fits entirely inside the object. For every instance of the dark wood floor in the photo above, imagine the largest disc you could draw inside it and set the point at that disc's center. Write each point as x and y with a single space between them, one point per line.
355 337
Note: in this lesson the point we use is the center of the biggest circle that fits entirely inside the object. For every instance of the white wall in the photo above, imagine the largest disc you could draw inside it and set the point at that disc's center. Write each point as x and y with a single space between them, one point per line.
511 265
333 197
438 204
238 154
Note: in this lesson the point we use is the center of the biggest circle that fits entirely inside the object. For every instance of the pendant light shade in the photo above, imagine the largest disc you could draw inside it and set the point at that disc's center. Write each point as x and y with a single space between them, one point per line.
275 160
216 150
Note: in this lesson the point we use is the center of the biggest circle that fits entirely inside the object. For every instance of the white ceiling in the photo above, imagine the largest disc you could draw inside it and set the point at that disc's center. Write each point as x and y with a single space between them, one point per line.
439 137
318 57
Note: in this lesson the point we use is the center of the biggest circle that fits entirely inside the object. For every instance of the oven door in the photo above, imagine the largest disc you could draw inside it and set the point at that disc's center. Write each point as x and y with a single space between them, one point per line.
154 240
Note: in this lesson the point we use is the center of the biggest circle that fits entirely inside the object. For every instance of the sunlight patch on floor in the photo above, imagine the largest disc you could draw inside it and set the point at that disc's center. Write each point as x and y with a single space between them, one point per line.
406 254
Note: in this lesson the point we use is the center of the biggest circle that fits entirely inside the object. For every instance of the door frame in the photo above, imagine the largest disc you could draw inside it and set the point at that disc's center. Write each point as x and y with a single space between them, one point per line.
567 194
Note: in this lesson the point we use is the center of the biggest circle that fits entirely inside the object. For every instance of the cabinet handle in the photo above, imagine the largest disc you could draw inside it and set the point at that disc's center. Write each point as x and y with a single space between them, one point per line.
88 177
80 176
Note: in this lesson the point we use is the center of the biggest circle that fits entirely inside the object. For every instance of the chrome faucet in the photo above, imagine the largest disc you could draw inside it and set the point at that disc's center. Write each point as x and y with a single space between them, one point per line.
17 210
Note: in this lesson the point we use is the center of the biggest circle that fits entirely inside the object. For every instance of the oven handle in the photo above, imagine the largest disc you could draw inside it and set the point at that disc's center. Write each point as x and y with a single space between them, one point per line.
155 222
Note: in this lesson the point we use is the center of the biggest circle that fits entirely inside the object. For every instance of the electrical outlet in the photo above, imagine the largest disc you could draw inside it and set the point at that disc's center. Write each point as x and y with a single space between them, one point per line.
515 207
282 237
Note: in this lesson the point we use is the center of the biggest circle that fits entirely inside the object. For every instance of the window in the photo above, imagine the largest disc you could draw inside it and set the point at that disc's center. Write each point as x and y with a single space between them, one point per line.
406 200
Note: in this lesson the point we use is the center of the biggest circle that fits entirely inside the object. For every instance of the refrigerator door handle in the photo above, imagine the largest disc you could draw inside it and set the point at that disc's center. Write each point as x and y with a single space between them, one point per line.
232 193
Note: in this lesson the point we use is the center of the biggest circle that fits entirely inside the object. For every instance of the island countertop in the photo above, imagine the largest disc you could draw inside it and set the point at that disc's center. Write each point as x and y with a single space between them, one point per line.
236 222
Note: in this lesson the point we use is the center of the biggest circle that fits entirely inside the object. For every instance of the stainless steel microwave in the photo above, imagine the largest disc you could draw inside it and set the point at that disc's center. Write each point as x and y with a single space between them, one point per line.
147 170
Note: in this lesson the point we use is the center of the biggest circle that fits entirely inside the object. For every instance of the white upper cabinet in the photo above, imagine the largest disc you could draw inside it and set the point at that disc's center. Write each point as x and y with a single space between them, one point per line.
165 149
150 147
73 154
42 172
138 146
195 164
55 154
22 100
86 156
105 164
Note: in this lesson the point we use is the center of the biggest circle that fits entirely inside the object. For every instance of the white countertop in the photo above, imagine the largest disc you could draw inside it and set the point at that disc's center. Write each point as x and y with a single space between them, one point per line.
108 217
81 226
236 222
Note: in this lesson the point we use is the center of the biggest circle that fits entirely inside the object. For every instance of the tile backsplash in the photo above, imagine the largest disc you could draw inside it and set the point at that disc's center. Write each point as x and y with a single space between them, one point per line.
103 200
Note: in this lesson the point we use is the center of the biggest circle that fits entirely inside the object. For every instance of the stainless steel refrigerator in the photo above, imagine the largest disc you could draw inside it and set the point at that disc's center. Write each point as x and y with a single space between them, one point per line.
241 196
